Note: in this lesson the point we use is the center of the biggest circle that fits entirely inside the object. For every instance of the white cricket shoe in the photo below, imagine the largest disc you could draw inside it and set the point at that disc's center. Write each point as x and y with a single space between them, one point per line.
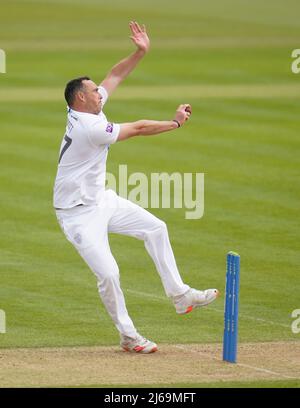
138 344
194 298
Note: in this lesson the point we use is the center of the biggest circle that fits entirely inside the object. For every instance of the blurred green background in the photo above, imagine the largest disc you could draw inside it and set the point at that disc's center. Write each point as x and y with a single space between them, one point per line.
232 61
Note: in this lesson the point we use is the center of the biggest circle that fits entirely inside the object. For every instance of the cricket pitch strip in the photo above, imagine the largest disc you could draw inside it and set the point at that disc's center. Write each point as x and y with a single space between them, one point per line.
173 363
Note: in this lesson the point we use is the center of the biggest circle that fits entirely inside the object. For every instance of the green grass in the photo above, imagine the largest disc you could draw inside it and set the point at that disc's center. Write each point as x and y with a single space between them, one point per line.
248 149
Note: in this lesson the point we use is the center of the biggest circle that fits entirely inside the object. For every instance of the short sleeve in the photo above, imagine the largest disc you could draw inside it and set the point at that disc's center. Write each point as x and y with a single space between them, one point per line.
103 92
102 133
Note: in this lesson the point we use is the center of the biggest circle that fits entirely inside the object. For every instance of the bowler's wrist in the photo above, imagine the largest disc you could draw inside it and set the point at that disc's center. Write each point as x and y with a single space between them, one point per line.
176 123
141 52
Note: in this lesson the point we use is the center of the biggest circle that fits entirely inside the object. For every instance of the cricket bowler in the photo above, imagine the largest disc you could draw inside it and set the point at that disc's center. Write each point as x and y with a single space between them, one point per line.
87 212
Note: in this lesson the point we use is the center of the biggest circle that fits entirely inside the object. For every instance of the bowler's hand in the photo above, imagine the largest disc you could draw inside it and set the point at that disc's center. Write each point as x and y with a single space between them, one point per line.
183 113
139 36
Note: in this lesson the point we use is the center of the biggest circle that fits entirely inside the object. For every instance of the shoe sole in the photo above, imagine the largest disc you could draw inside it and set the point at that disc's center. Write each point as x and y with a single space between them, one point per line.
191 308
140 350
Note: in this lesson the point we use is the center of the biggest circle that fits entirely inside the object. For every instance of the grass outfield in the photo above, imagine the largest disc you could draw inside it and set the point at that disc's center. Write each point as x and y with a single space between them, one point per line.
231 61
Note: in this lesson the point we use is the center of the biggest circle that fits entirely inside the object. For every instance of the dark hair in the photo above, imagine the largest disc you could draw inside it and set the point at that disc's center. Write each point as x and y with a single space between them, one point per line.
72 88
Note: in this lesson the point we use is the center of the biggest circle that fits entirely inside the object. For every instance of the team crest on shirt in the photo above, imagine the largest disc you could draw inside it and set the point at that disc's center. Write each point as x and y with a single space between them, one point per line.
109 128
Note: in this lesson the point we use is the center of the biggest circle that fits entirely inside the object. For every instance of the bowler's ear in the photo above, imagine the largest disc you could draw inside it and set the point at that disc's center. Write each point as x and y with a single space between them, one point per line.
80 96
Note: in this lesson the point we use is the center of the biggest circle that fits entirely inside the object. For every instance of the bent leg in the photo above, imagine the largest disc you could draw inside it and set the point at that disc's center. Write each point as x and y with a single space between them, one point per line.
130 219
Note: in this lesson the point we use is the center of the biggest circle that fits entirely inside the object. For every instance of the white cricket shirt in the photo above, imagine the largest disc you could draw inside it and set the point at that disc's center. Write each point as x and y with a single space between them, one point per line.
80 177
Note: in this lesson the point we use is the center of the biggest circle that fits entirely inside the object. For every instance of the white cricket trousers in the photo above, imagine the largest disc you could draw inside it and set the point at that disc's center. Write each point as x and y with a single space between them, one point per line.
87 228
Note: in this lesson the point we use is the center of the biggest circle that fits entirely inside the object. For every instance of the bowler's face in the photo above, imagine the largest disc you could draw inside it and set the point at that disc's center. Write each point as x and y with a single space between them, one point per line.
92 97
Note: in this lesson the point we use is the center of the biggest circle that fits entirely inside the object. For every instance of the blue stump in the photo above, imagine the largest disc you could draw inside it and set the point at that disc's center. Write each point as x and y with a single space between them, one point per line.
231 308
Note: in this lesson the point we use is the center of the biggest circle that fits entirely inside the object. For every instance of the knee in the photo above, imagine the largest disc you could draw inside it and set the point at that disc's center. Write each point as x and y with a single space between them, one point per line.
107 274
159 229
161 226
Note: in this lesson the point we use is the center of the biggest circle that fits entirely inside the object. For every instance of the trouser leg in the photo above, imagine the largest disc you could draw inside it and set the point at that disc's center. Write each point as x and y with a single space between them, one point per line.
130 219
105 267
87 231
